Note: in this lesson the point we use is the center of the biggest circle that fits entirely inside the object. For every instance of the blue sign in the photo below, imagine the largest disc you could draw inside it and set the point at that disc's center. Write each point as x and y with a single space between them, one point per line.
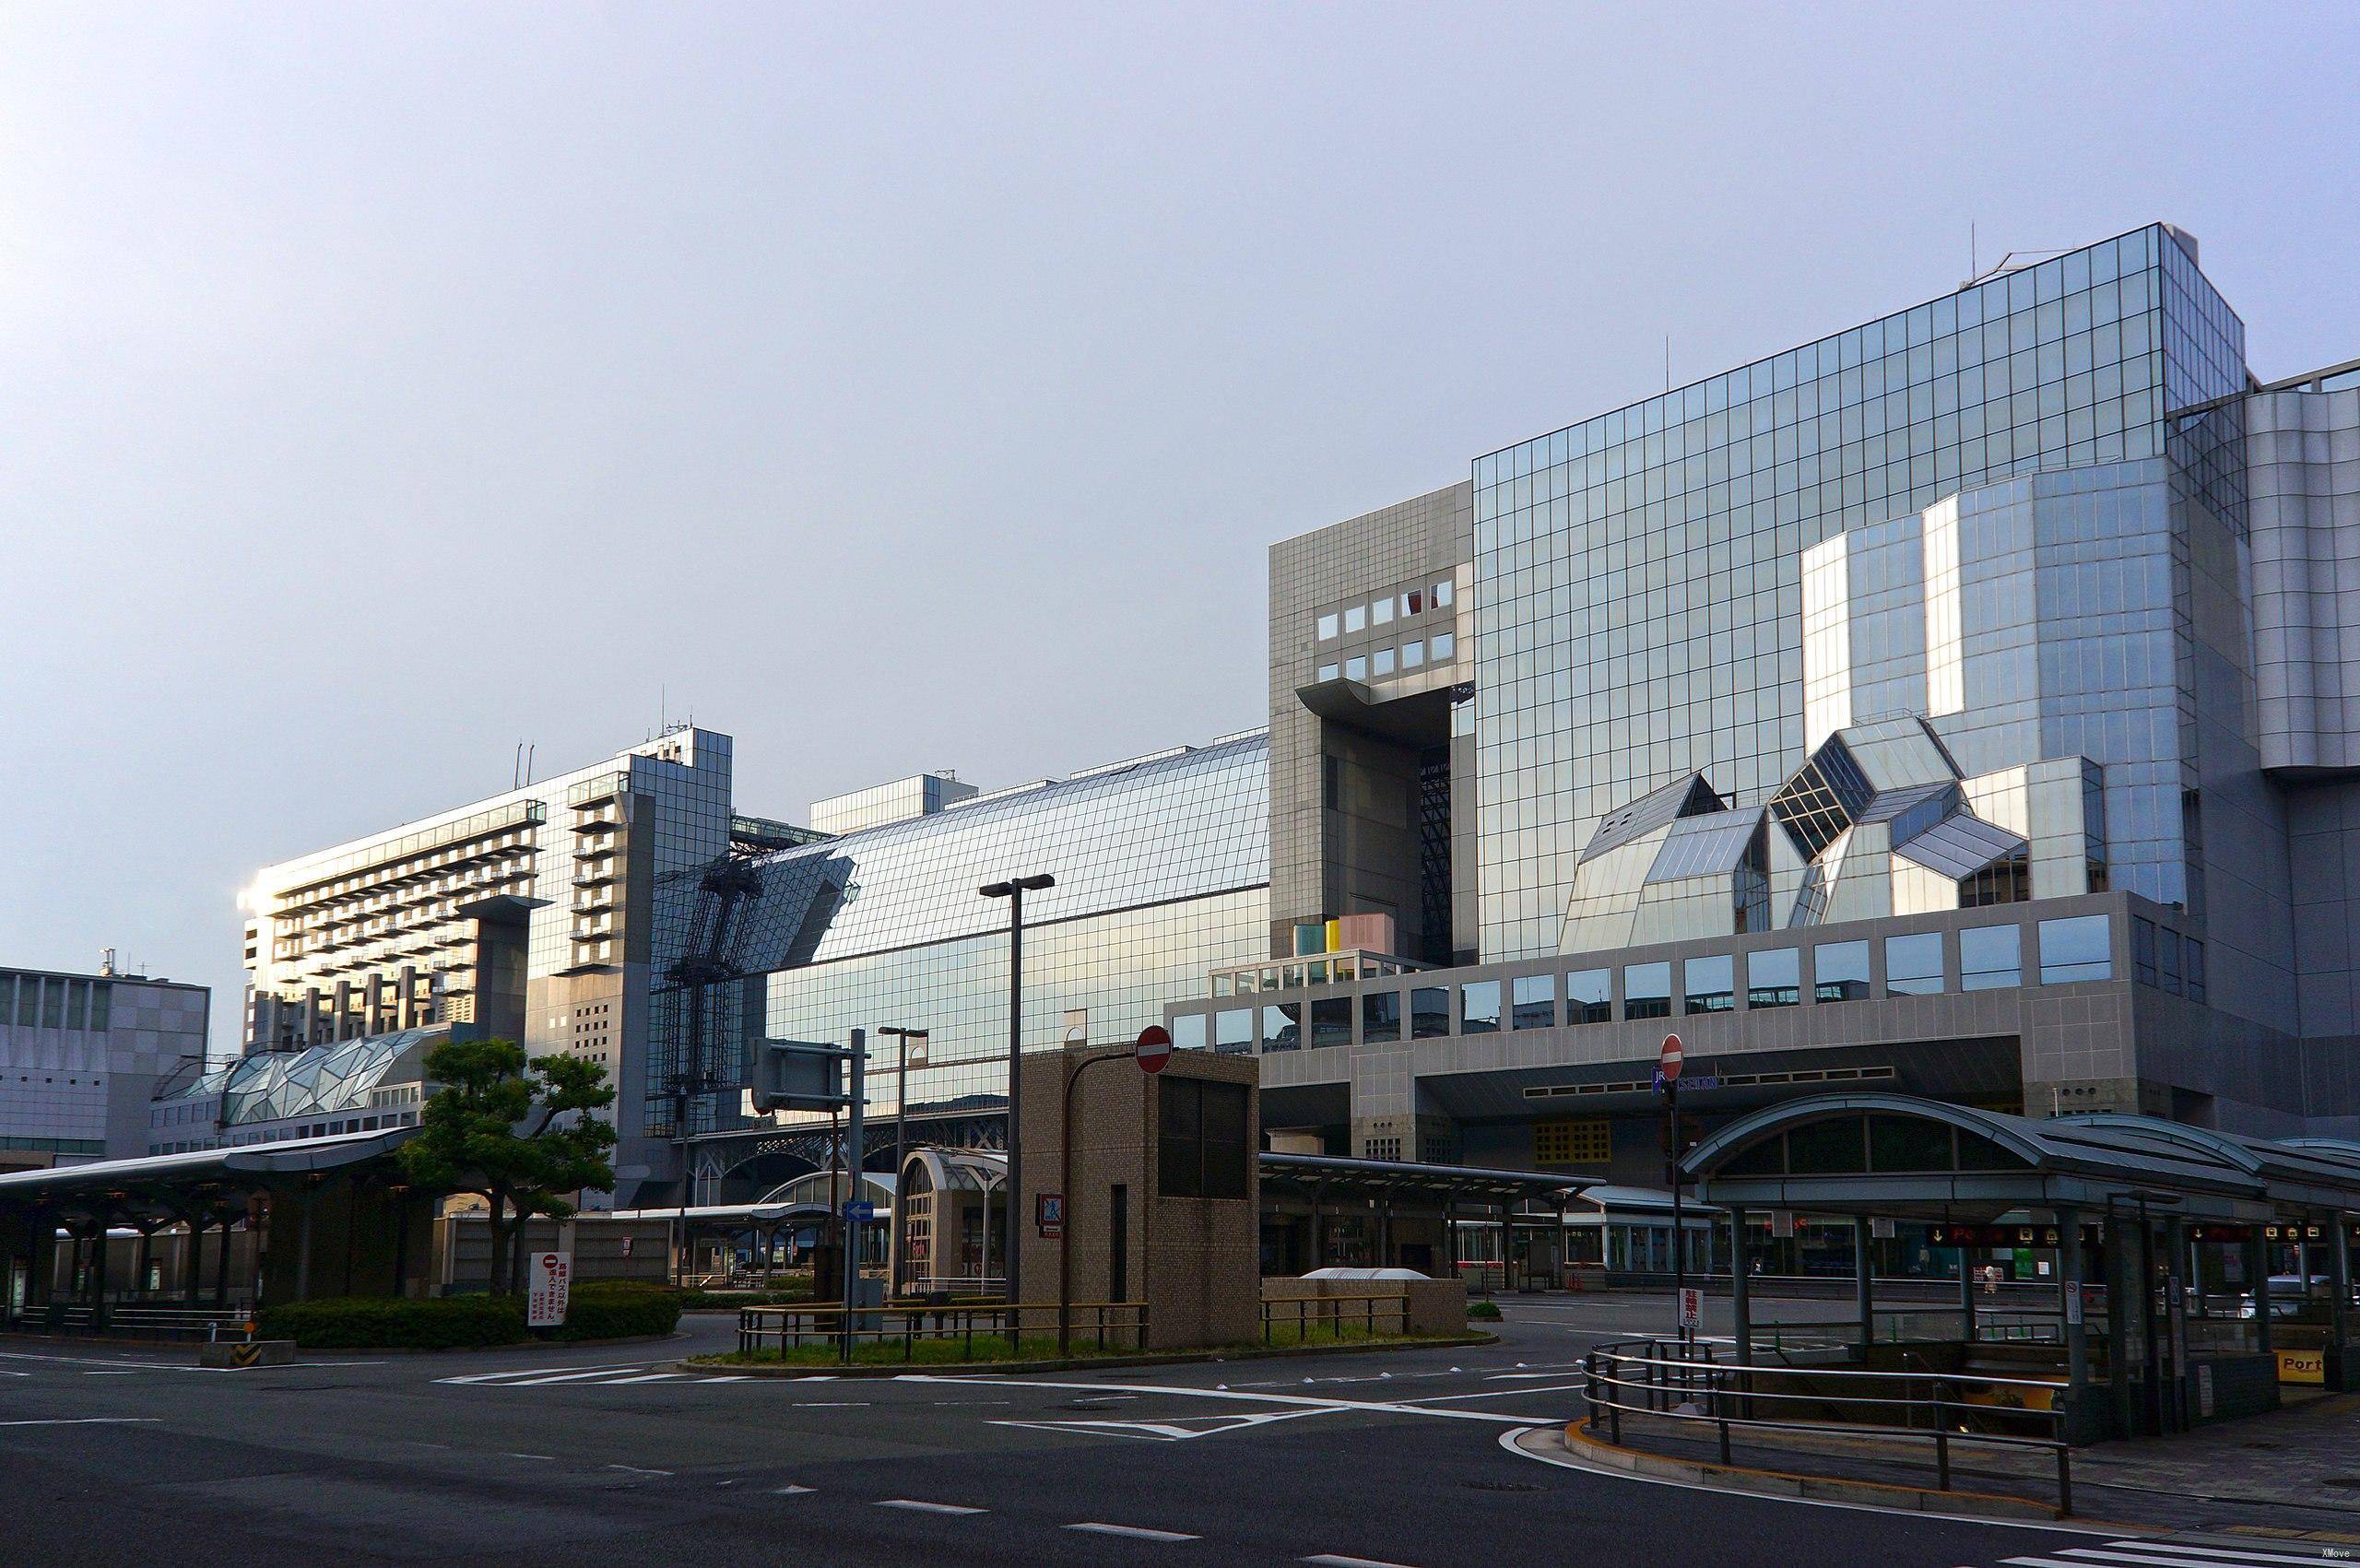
1686 1081
860 1213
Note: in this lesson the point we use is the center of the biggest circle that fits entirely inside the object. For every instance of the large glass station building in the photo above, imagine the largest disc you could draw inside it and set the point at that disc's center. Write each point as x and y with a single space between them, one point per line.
1960 703
1964 704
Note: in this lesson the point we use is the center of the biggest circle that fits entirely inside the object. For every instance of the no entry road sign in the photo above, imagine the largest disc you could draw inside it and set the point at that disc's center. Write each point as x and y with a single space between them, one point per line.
1668 1063
1154 1048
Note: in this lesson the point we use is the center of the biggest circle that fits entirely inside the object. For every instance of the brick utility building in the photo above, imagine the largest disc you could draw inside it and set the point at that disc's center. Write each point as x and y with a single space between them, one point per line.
1965 703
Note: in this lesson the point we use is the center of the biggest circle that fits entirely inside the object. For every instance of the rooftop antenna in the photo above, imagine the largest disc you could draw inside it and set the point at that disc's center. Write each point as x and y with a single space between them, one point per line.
1666 361
516 768
1973 256
529 750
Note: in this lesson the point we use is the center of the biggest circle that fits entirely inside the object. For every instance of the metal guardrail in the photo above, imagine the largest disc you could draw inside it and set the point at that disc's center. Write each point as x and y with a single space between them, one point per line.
132 1321
1690 1384
1333 1316
1108 1324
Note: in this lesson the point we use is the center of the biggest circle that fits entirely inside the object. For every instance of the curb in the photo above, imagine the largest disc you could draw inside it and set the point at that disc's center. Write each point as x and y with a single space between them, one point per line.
838 1371
1784 1483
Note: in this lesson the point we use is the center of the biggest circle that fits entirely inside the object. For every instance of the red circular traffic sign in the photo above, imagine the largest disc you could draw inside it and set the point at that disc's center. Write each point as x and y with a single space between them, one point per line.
1668 1063
1154 1048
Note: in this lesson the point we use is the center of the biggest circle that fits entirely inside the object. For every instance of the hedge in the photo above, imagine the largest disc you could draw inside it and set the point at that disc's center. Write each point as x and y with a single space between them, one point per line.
619 1311
444 1323
357 1323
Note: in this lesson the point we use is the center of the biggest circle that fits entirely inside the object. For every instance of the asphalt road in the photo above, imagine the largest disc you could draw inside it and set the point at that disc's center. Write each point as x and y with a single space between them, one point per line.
610 1454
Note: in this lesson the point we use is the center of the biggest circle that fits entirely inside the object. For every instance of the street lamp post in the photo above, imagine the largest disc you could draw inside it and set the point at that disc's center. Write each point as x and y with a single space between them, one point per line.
1013 890
911 1039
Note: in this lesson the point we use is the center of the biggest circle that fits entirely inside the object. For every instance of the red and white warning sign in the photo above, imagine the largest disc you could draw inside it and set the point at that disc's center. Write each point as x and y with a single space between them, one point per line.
549 1281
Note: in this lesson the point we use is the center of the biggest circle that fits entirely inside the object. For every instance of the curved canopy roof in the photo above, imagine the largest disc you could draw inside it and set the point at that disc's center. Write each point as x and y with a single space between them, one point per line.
1896 1154
209 1167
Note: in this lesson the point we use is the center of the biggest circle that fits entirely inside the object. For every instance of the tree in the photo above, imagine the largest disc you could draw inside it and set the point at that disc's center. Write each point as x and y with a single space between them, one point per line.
519 1133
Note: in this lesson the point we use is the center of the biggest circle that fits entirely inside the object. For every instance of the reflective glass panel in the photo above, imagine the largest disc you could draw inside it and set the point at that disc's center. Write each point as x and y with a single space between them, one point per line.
1589 995
1281 1026
1706 986
1840 972
1989 958
1429 1012
1381 1015
1913 965
2078 948
1478 1007
1331 1020
1646 990
1534 996
1773 978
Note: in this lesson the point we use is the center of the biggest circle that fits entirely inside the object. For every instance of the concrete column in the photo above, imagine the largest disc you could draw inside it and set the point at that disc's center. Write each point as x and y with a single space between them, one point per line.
1863 1290
2256 1257
1966 1295
98 1281
221 1263
2339 1274
193 1266
1740 1287
2077 1334
303 1247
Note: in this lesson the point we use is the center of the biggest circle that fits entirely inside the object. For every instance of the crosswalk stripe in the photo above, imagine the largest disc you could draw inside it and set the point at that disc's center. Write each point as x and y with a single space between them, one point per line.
603 1374
2155 1554
2207 1556
1133 1532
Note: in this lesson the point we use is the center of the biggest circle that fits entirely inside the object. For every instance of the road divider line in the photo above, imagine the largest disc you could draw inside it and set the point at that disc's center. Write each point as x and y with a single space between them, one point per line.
914 1506
87 1421
1133 1532
1334 1560
634 1469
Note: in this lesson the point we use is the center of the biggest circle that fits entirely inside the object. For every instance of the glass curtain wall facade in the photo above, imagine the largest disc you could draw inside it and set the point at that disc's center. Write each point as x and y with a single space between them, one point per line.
1163 871
1639 605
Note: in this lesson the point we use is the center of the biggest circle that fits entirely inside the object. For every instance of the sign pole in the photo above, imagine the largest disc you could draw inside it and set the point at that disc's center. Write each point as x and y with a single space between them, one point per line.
850 1227
1668 1067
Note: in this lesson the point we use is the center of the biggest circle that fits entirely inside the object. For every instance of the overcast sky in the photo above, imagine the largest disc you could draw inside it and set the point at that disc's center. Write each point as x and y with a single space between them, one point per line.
901 387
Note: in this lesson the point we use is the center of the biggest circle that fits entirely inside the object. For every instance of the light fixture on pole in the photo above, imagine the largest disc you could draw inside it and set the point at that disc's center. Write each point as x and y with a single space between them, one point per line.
912 1053
1013 890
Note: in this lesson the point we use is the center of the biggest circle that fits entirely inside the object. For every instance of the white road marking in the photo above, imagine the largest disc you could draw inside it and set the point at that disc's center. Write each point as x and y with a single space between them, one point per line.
1332 1559
914 1506
114 1372
720 1380
540 1371
1379 1407
89 1420
1496 1392
793 1491
646 1377
2201 1556
544 1457
634 1469
1509 1441
564 1377
1166 1432
1133 1532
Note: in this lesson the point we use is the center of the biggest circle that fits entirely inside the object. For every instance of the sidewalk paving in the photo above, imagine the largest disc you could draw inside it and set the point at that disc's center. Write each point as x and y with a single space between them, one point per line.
2296 1470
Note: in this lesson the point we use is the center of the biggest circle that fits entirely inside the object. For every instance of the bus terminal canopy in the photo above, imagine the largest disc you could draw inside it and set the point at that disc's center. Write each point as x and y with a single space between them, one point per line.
113 1183
1408 1179
1898 1156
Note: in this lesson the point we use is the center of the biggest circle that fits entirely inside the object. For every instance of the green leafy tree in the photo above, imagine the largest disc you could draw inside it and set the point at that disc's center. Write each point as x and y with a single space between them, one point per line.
519 1133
